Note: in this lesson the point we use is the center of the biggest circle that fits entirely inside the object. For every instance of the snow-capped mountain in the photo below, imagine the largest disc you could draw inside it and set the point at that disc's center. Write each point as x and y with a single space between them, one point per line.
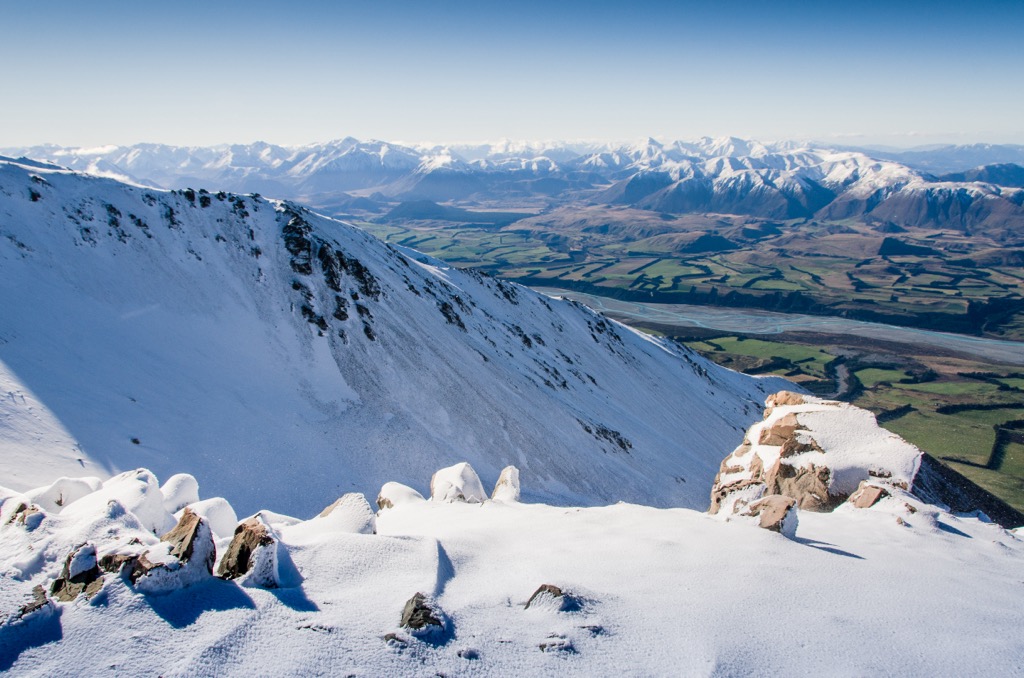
722 175
224 335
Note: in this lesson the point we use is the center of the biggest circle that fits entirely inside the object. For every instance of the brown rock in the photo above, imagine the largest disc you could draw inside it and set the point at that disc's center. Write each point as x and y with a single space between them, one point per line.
808 485
38 602
719 493
250 535
418 614
182 538
867 495
783 398
28 515
772 511
80 574
793 447
780 431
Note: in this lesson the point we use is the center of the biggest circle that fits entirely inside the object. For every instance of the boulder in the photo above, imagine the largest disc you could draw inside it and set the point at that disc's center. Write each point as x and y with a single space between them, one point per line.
420 615
252 555
776 513
395 494
350 513
868 495
458 483
507 487
80 574
62 492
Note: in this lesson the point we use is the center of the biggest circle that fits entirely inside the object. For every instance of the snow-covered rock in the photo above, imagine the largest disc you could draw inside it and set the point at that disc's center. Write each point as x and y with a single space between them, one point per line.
251 556
219 515
457 483
396 494
507 487
813 450
339 594
350 513
62 492
776 513
179 491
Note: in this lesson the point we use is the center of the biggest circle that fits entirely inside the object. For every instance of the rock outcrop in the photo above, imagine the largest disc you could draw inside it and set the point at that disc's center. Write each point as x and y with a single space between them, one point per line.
814 452
184 556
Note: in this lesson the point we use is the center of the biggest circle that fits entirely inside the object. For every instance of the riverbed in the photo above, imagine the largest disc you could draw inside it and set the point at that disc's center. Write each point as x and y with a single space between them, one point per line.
748 321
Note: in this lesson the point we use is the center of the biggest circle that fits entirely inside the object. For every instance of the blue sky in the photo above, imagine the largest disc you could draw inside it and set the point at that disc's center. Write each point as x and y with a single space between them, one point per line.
900 73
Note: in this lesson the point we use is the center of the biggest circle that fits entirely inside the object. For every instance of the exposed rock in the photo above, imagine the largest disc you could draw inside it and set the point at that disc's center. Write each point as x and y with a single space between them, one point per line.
28 515
350 513
781 431
39 601
395 494
551 597
80 574
804 450
185 556
867 495
507 487
458 483
777 513
420 615
807 484
252 554
784 398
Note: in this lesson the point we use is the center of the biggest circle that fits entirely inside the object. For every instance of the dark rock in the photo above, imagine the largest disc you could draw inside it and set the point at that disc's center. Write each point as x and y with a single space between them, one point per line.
243 554
418 614
80 574
38 602
183 538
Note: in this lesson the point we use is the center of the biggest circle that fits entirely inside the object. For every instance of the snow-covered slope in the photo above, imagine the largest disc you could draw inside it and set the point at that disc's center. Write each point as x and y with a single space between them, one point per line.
897 588
276 354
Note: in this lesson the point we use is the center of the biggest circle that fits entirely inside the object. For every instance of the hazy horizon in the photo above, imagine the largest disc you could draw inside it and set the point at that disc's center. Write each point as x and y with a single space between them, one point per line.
119 73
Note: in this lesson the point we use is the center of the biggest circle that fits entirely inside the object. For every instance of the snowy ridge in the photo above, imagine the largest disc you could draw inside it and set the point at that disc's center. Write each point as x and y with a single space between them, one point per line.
505 587
224 335
725 175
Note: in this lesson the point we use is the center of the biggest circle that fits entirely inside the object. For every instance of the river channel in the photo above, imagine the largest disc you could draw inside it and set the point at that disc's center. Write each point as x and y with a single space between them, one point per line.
750 321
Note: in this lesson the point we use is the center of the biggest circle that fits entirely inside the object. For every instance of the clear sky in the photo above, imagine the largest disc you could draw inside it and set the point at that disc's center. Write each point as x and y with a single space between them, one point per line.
902 73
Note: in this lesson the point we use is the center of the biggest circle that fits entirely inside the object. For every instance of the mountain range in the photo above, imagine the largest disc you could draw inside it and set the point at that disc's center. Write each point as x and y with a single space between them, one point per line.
938 188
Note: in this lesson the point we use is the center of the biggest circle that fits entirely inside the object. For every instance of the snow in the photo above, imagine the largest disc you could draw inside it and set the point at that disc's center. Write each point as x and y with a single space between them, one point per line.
457 483
179 491
137 340
653 592
217 512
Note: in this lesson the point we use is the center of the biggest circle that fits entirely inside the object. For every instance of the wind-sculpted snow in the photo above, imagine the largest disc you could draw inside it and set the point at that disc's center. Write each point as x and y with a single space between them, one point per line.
276 354
503 588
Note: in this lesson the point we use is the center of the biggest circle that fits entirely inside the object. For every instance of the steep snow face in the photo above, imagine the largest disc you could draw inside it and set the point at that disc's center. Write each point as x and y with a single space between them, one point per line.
271 352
